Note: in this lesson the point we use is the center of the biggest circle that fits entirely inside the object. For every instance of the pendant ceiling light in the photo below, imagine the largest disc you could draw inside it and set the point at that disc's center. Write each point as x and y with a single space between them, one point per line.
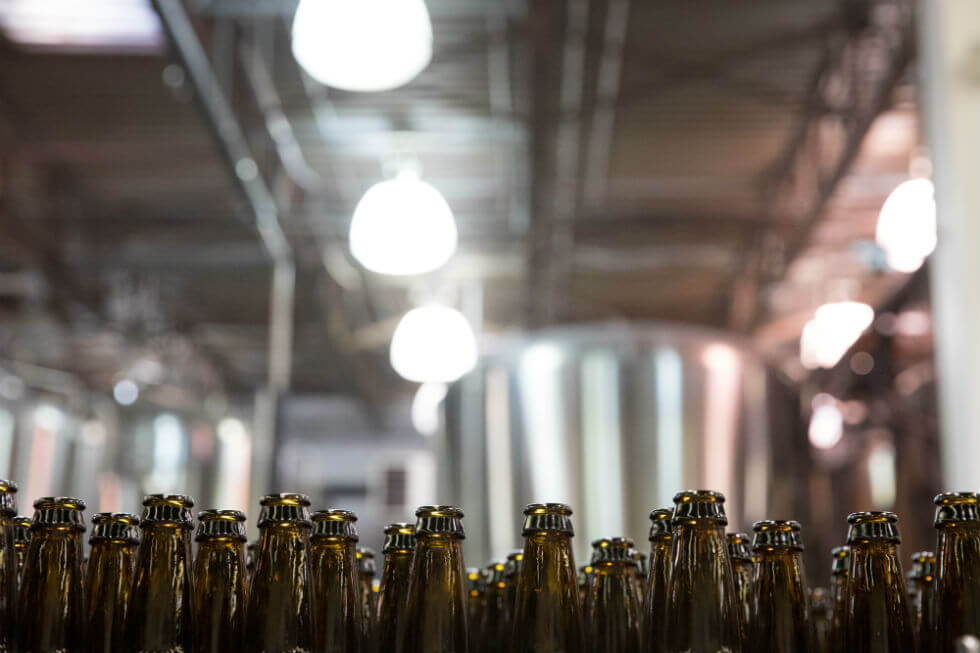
402 226
906 227
433 344
362 45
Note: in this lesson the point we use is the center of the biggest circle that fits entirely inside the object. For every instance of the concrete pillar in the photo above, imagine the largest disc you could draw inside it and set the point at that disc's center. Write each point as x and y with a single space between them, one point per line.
950 73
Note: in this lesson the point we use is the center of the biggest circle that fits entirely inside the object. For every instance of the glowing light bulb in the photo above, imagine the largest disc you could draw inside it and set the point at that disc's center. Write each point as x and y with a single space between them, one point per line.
433 344
834 328
425 407
403 226
826 426
362 45
906 227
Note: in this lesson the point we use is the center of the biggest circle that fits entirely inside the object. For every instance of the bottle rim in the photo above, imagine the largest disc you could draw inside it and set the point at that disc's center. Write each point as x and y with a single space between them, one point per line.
285 498
70 503
178 500
115 526
772 534
879 525
547 509
613 550
399 536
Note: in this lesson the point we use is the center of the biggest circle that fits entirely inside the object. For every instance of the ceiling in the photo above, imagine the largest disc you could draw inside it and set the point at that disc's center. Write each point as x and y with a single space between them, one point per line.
701 162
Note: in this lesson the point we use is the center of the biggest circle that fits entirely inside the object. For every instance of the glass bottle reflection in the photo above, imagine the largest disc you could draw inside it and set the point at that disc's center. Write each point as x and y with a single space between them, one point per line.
661 537
780 620
338 612
399 551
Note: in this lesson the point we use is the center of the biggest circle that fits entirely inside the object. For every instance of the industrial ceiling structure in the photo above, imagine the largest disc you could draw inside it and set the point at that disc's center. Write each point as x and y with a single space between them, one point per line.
176 210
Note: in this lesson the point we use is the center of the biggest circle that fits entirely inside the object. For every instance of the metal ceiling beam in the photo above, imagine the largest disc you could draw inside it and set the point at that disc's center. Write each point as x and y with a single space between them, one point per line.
850 89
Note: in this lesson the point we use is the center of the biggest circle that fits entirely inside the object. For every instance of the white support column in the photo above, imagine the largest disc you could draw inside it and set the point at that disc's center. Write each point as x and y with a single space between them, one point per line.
950 74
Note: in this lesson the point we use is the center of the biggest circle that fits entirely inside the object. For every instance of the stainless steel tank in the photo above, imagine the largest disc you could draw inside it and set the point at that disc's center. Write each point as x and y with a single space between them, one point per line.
614 419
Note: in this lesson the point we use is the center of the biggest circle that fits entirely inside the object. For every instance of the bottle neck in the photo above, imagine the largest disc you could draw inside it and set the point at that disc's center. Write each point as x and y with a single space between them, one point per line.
548 614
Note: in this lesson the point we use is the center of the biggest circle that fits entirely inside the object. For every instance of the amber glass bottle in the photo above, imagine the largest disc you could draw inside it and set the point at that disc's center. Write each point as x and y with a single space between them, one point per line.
277 613
615 618
653 635
839 568
515 562
366 573
161 608
958 571
740 552
877 619
702 607
435 614
219 581
820 607
780 614
495 624
548 617
922 599
586 576
476 584
22 541
640 572
9 564
109 579
251 555
399 550
51 605
337 609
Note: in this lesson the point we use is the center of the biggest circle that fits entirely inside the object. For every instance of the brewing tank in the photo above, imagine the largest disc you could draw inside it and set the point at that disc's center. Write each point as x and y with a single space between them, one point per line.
614 419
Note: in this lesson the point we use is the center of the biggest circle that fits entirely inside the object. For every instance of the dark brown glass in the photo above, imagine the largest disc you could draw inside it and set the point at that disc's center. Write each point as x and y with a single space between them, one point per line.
9 564
496 614
366 571
839 568
219 581
640 572
435 613
399 550
515 562
958 571
109 579
820 607
22 541
740 552
51 608
654 632
877 619
251 555
278 618
615 618
702 609
780 614
161 608
548 616
585 579
475 604
337 608
922 600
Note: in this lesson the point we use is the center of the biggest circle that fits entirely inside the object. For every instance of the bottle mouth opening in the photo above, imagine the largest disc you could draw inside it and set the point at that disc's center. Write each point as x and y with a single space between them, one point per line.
285 499
68 503
547 509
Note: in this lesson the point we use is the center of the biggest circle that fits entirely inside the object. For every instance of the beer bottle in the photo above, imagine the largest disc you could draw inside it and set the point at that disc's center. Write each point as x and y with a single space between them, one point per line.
640 572
337 608
475 597
435 613
702 609
548 617
109 579
22 541
366 571
839 568
744 569
586 574
219 581
495 625
161 610
877 619
399 550
515 562
277 612
615 619
820 607
51 604
780 615
655 602
958 571
9 563
922 599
